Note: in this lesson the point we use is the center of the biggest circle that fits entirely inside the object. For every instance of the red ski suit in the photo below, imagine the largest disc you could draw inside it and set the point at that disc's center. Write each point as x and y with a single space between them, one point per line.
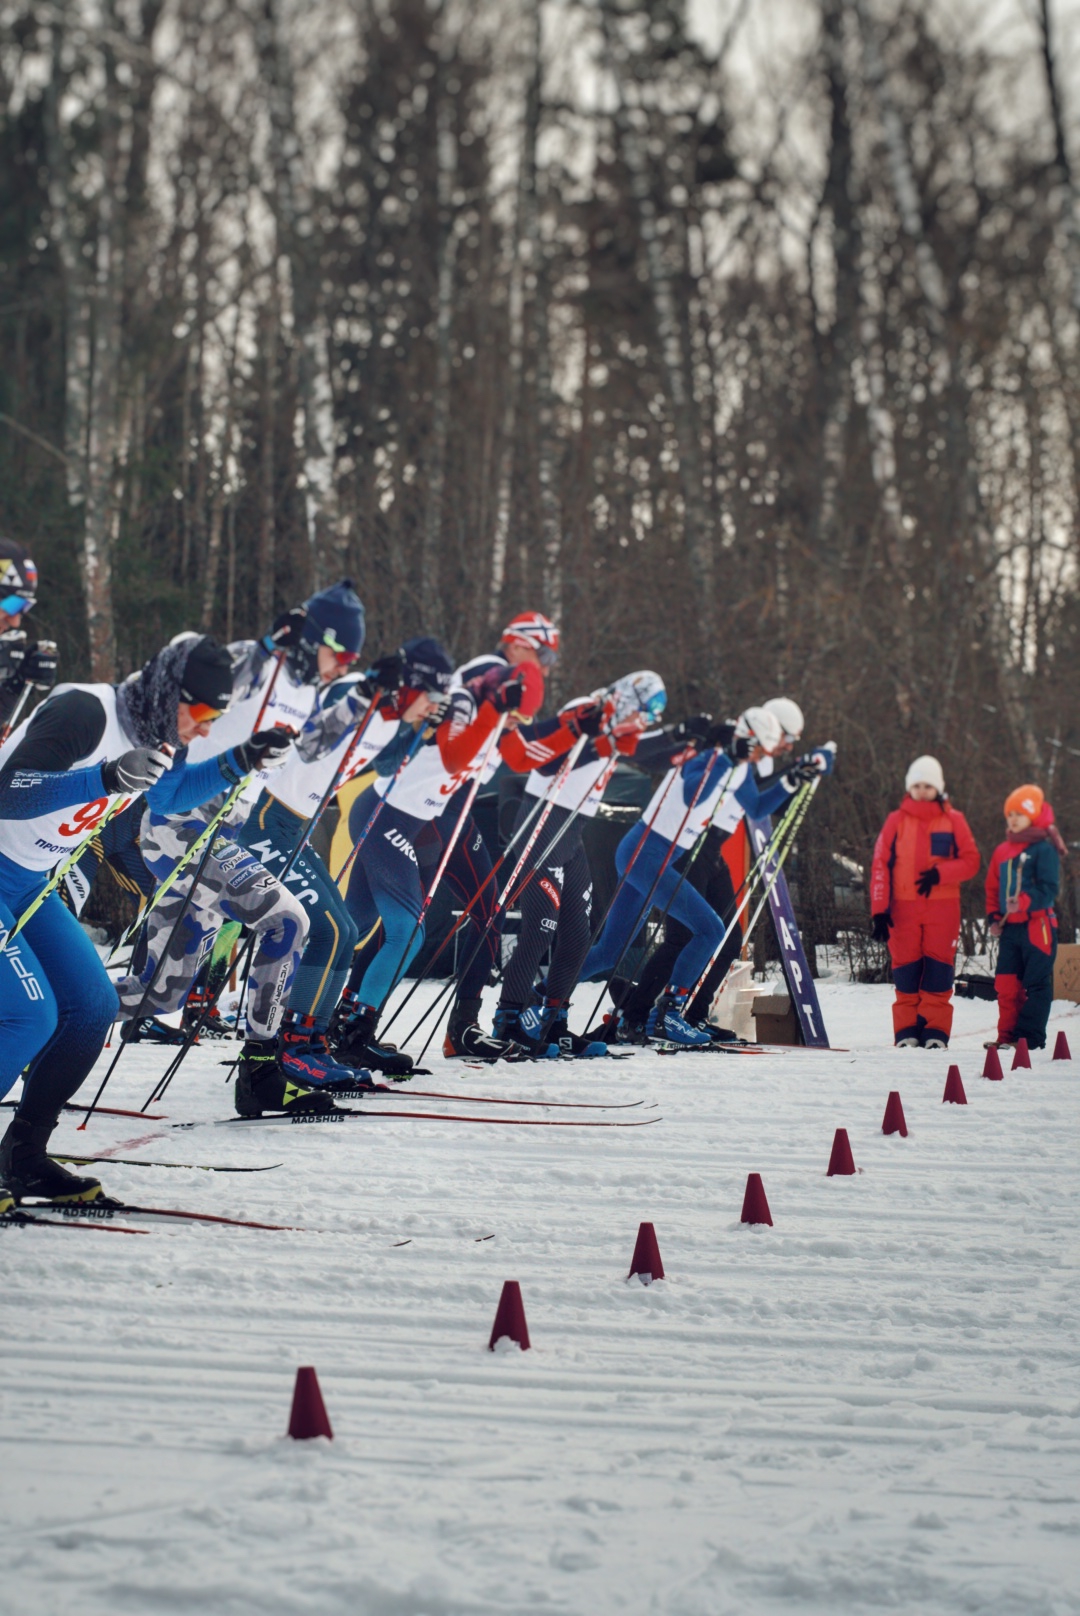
925 931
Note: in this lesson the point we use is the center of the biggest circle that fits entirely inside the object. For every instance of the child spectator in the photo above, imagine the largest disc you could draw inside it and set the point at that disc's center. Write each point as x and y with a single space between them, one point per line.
924 852
1021 886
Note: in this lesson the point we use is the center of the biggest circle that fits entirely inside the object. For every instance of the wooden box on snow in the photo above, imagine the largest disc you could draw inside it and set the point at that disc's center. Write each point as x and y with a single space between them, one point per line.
775 1019
1067 972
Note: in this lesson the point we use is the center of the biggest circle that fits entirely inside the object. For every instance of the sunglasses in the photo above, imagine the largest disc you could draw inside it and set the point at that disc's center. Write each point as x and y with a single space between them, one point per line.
202 714
13 605
345 659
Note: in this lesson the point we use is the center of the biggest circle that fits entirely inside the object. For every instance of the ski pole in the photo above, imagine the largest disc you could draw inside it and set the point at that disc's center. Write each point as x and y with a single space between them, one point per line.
414 747
451 843
647 905
279 658
793 820
15 711
778 843
543 806
512 893
69 864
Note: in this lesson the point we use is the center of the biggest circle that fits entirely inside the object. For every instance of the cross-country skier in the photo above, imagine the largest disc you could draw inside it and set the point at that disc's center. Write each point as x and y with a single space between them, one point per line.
22 668
1021 890
86 749
385 882
924 852
647 861
314 644
556 883
707 871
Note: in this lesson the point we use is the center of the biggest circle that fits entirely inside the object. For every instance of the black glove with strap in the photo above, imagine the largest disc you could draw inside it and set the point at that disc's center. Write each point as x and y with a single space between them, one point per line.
882 926
39 669
136 770
387 674
265 750
508 695
801 772
690 730
588 719
12 656
927 881
288 630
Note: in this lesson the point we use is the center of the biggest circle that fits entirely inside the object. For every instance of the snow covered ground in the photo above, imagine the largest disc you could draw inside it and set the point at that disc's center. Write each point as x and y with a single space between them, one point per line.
872 1406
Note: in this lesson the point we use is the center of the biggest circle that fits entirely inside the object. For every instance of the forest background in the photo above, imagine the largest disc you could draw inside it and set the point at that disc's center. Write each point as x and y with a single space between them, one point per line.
741 338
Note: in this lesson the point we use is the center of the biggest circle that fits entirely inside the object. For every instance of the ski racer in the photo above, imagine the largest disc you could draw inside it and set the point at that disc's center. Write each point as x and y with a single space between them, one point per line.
923 854
647 861
1021 890
556 884
85 752
22 668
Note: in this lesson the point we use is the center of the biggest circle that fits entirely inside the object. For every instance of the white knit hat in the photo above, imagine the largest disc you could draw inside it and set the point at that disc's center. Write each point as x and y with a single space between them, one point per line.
925 771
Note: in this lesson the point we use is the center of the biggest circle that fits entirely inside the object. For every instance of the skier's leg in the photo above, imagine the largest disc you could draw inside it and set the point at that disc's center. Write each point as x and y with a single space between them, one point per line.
625 917
940 935
719 892
1038 948
28 1012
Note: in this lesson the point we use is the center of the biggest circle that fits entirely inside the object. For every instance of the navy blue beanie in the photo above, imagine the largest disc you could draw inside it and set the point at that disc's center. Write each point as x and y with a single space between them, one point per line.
337 611
427 665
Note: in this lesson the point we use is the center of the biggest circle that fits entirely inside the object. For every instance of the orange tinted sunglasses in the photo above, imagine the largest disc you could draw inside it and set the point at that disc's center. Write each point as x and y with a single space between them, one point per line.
202 714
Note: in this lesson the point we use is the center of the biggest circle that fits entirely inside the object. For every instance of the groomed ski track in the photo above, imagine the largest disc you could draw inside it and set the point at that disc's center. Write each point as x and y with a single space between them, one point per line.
873 1406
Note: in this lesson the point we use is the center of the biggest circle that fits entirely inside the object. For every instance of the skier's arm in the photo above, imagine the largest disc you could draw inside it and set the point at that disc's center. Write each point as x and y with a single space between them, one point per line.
337 713
881 869
757 802
38 776
531 746
389 759
189 785
459 743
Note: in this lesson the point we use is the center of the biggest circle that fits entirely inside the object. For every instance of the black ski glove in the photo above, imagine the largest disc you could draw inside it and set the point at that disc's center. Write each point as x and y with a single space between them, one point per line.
691 730
386 674
882 926
722 734
800 774
738 749
39 669
287 631
136 770
12 655
927 881
588 719
508 695
265 750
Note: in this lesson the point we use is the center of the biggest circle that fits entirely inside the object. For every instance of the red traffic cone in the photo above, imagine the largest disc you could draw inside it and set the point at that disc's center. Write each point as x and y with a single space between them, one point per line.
308 1417
1022 1055
646 1259
992 1066
755 1207
510 1317
841 1162
954 1088
894 1120
1061 1048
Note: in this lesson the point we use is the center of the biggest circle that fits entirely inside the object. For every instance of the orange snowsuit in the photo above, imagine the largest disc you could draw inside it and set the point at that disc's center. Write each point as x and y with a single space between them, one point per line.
925 930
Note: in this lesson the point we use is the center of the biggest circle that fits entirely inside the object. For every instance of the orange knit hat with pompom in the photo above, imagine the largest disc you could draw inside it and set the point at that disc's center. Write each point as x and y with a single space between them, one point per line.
1025 800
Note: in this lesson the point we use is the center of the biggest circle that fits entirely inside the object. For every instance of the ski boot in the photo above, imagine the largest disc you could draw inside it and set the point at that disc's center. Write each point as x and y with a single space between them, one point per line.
527 1026
617 1028
148 1029
303 1042
465 1037
201 1011
573 1044
27 1169
7 1201
264 1084
356 1045
667 1024
723 1037
935 1040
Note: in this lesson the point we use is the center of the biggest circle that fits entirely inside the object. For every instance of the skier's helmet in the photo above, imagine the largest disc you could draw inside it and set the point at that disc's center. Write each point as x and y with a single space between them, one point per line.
427 666
790 715
18 578
761 727
537 632
639 696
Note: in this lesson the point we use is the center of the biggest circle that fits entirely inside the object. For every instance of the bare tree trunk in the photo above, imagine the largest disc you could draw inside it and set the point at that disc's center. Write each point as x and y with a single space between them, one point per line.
1070 208
298 242
431 595
269 321
630 121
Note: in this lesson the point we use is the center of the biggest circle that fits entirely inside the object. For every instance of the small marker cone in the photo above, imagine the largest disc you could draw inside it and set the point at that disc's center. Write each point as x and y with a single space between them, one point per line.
646 1259
841 1162
1022 1055
510 1317
1061 1048
894 1120
954 1088
992 1066
755 1207
308 1417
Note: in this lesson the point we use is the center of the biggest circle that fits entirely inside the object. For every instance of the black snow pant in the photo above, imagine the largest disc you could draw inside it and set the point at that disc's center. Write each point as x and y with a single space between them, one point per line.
710 876
556 911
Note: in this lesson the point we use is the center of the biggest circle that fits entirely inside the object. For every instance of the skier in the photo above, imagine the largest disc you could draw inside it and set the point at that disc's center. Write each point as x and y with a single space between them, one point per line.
923 854
646 860
23 668
85 750
707 872
556 883
385 879
1021 889
278 1070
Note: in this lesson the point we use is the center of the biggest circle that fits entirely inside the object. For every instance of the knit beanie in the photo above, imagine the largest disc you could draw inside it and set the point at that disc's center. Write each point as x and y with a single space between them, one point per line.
1025 800
335 617
926 771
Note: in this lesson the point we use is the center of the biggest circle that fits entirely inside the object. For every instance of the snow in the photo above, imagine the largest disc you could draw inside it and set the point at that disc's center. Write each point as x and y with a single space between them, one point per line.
872 1406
